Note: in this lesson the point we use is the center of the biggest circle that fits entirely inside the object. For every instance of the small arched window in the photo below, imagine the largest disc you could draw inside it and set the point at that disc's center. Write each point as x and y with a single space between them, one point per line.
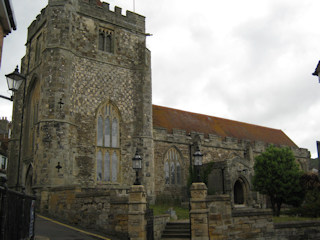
101 41
107 144
106 40
172 167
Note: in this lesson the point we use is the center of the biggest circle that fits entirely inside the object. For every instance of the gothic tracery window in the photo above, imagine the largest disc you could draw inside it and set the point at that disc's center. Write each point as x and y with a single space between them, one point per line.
172 167
107 144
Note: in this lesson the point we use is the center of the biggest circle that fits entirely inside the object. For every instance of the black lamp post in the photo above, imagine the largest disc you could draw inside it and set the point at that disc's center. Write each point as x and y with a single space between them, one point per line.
14 81
198 162
137 165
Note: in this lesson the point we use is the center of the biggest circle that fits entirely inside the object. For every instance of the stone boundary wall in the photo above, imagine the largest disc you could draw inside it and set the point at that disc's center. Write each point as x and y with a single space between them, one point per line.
212 140
159 225
297 230
237 223
105 210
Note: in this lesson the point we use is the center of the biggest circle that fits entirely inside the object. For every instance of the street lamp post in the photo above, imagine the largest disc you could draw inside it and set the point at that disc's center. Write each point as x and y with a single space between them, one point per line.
198 162
14 81
137 165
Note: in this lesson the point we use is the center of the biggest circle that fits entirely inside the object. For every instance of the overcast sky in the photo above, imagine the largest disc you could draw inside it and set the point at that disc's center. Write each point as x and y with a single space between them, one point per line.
248 60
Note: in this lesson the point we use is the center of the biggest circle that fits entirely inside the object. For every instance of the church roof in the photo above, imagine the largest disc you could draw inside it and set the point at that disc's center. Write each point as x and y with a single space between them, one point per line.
170 119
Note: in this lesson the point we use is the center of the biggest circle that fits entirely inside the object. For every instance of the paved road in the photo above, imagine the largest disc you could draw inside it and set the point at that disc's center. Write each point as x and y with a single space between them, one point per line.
47 229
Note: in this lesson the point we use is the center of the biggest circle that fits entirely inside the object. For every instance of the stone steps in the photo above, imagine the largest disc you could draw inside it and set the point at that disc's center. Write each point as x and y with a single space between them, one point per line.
179 230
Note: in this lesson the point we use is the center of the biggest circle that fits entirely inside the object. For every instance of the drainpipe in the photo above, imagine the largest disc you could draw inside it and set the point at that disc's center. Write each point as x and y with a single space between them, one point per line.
318 148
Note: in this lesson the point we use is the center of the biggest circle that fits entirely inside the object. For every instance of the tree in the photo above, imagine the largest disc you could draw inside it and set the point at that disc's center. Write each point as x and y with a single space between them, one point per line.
311 204
277 175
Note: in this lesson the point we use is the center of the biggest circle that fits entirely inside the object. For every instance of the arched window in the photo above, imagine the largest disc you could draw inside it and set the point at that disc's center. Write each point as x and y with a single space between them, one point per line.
109 43
107 144
101 41
31 118
172 167
106 40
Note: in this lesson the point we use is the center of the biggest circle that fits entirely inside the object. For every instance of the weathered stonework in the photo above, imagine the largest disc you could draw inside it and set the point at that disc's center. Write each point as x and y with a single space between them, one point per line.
69 79
75 78
199 212
137 209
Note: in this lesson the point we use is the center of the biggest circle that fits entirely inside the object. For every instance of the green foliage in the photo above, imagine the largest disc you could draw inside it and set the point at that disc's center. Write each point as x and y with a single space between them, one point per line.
168 200
277 175
206 170
311 204
191 178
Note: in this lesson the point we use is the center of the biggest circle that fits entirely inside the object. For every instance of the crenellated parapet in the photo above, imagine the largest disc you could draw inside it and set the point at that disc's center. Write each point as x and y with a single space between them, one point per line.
101 10
94 9
179 136
36 24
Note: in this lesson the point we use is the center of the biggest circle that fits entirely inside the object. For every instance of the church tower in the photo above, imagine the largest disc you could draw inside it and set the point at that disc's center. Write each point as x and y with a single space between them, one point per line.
88 105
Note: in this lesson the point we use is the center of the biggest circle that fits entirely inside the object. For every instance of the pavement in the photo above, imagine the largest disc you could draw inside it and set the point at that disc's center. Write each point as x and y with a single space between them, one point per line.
50 229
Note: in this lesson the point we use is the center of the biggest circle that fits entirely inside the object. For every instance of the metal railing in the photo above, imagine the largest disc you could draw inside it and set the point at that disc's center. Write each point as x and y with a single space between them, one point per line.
17 215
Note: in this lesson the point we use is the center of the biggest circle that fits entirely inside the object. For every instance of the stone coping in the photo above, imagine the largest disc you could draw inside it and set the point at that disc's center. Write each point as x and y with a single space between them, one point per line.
219 198
248 212
297 224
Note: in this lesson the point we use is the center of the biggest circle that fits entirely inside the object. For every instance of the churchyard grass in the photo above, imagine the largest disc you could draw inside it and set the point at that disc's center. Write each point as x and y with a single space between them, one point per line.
181 212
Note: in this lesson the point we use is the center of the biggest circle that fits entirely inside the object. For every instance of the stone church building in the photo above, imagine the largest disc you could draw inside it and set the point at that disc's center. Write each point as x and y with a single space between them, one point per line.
88 108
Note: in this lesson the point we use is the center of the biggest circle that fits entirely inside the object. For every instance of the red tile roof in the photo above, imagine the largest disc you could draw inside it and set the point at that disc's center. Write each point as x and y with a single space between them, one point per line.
170 119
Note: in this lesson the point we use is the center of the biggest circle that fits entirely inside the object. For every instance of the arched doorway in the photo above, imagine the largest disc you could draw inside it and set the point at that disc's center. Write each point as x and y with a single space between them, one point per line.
238 192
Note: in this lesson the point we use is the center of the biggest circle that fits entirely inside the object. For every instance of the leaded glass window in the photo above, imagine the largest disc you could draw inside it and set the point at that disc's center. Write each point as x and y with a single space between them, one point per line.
99 166
108 144
172 167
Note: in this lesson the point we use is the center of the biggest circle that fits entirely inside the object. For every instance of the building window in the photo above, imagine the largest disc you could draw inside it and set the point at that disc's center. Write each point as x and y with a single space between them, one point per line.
108 145
172 167
106 40
3 164
238 192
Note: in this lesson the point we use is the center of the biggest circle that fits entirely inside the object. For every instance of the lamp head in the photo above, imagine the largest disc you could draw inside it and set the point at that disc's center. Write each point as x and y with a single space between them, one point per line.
15 80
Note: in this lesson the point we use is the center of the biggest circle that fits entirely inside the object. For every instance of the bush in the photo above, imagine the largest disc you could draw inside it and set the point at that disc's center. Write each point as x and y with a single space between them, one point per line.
311 204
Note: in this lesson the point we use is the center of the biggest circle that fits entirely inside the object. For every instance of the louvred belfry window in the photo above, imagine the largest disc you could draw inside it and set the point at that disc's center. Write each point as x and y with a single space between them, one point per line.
107 144
106 40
